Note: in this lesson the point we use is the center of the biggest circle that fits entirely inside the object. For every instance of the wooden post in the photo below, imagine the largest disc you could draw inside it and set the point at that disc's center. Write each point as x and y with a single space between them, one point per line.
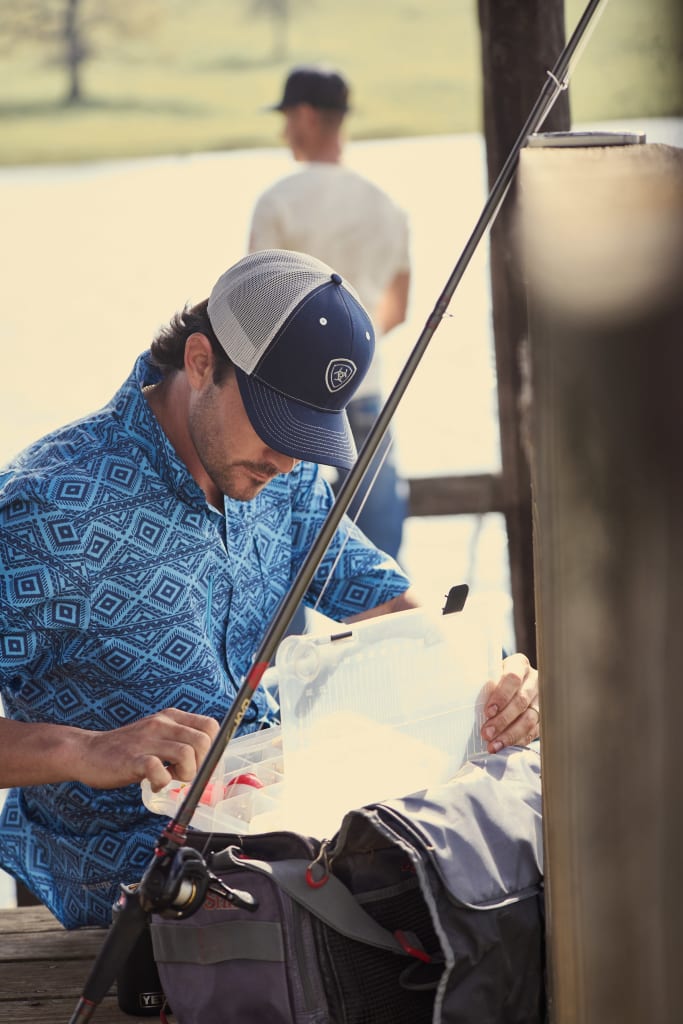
520 42
602 230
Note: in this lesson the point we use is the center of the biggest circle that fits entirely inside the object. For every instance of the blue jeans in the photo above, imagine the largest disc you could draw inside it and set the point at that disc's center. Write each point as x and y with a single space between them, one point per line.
385 509
387 503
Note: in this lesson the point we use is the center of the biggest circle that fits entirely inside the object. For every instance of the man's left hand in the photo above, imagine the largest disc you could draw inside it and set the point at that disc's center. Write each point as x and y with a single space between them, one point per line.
512 716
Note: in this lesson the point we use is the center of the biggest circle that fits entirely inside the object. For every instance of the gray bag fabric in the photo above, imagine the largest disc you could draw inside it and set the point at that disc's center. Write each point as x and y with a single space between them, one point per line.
425 909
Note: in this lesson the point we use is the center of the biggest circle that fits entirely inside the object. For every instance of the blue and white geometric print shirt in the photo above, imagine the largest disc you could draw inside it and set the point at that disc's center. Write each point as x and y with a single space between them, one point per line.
122 593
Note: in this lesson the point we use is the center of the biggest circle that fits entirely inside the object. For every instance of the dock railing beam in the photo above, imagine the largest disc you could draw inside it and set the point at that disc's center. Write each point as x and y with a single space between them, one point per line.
602 233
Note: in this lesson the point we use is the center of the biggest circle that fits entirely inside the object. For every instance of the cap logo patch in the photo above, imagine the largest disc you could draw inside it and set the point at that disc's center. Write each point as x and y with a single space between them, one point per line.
338 374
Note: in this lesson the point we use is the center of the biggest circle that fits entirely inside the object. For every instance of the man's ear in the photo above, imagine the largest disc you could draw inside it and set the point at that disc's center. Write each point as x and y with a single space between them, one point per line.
198 360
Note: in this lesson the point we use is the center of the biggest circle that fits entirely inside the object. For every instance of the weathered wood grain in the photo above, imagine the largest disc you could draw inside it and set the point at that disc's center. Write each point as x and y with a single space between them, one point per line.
43 968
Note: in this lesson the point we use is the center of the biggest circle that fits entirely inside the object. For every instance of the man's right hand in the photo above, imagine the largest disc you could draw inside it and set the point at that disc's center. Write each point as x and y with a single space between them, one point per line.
168 745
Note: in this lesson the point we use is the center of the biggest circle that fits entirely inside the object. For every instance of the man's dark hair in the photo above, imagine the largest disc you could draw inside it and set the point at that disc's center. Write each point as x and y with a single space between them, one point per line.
168 347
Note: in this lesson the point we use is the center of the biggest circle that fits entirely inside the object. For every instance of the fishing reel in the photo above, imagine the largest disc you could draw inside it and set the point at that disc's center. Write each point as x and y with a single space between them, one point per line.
176 883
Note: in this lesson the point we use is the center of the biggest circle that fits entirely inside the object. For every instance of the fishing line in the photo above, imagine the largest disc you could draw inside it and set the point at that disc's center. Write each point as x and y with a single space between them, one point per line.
355 518
564 68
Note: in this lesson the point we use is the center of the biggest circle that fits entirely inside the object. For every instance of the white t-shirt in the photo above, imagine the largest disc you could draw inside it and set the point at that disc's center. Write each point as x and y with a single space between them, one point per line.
335 214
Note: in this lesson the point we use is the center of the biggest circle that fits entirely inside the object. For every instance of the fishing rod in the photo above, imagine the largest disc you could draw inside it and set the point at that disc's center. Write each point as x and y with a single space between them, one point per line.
177 878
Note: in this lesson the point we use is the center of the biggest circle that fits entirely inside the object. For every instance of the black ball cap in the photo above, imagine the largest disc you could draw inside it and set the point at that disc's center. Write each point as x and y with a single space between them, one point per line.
320 87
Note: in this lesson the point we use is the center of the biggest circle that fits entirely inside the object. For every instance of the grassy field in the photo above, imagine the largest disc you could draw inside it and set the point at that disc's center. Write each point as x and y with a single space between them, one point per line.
198 75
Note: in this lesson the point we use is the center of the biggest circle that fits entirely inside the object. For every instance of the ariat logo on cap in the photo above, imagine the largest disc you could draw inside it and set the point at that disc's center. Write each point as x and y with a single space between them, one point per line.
339 373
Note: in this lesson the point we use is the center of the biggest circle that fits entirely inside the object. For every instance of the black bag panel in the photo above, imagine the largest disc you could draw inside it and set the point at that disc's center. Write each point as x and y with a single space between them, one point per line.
363 984
262 846
383 878
366 985
376 863
499 972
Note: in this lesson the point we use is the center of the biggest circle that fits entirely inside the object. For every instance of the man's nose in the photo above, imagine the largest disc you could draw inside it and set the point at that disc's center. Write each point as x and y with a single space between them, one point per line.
285 463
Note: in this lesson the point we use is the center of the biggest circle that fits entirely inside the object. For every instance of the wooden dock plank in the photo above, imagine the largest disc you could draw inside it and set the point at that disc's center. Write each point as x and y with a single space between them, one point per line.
43 968
60 1009
32 919
43 978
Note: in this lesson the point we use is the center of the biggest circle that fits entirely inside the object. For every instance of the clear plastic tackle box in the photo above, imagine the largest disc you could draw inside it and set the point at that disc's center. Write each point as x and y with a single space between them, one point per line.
368 711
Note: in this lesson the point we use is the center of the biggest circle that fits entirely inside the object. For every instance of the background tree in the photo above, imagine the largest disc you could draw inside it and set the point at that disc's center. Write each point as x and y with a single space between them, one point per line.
278 11
71 32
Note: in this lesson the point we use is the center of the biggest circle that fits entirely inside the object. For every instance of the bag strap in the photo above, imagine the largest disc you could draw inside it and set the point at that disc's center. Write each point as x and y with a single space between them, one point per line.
331 902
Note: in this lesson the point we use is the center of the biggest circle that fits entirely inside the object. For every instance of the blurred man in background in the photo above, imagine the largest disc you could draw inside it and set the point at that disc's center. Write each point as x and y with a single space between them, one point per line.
335 214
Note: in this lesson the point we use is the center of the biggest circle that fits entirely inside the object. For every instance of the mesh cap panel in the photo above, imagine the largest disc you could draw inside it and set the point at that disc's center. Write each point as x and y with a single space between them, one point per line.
251 301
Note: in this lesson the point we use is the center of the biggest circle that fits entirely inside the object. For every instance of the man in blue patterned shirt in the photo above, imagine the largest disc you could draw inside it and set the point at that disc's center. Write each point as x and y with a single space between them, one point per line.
145 548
